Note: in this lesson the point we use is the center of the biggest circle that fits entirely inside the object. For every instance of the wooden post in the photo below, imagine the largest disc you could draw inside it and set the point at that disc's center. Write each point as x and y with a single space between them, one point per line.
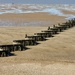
25 35
48 28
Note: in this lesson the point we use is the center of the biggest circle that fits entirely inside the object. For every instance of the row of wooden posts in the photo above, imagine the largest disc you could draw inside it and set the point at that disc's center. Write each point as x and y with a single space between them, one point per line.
32 40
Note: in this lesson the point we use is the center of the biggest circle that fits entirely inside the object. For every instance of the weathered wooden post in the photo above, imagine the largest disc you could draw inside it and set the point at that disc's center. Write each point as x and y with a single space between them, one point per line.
49 28
3 53
54 26
25 35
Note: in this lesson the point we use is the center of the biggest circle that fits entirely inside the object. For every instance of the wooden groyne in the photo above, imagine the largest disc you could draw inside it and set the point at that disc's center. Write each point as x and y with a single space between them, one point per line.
20 45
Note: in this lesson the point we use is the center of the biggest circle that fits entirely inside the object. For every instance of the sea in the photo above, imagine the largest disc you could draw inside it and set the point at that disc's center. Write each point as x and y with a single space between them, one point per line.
54 9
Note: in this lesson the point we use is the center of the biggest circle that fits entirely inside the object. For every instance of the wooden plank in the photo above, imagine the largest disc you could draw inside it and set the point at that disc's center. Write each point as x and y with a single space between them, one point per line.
37 37
44 34
11 48
26 42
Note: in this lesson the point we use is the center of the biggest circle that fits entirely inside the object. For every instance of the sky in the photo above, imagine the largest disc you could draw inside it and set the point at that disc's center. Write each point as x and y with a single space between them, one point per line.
39 1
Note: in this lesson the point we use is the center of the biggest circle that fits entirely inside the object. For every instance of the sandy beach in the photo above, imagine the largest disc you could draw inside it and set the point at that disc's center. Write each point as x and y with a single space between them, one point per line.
55 56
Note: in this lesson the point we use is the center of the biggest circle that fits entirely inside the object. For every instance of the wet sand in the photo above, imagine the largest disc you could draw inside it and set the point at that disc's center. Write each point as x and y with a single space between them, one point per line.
34 19
68 12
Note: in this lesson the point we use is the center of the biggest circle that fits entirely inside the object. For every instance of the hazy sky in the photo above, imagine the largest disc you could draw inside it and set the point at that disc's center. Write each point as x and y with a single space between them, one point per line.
39 1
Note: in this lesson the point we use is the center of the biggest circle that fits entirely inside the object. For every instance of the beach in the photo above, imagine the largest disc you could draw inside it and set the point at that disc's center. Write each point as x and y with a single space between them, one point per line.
55 56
